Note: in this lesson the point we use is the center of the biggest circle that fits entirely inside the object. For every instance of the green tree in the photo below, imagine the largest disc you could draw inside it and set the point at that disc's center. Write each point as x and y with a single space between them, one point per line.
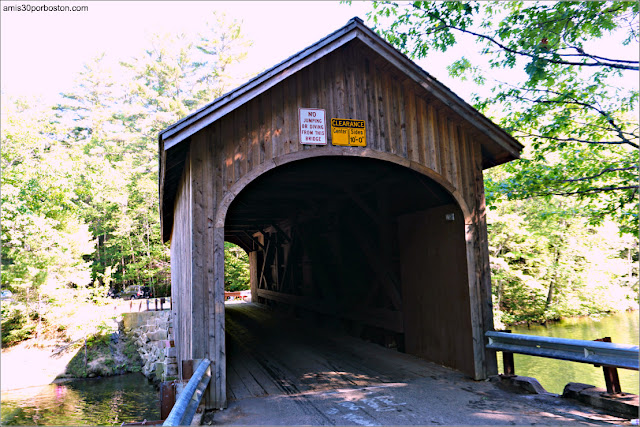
236 268
45 242
576 106
114 115
548 262
79 180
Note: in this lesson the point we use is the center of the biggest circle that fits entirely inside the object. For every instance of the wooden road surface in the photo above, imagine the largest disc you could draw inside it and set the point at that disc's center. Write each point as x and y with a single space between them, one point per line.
268 354
284 371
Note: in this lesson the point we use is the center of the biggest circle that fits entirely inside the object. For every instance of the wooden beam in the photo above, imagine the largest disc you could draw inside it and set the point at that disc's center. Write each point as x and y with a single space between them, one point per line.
256 241
381 318
264 263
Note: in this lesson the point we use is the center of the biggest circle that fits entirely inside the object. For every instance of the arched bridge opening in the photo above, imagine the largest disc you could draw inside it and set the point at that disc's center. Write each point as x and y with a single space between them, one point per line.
366 245
371 217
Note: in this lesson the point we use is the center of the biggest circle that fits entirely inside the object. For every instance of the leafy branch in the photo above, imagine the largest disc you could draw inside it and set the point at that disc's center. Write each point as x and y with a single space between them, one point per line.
542 51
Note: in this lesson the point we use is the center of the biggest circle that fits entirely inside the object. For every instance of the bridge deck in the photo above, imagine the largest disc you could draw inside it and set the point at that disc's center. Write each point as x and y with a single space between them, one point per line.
281 371
268 354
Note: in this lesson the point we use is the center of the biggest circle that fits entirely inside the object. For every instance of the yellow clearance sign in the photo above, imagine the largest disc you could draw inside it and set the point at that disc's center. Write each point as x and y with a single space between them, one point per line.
348 132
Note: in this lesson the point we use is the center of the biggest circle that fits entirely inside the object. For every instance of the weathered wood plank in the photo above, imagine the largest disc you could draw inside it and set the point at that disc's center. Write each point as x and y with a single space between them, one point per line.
444 146
403 117
290 115
198 247
453 153
322 89
421 118
339 91
241 135
360 105
277 121
432 148
411 119
349 90
299 104
228 149
369 100
216 339
253 155
483 268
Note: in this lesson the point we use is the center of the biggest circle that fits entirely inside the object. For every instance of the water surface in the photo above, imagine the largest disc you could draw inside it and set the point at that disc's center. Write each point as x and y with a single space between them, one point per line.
95 401
555 374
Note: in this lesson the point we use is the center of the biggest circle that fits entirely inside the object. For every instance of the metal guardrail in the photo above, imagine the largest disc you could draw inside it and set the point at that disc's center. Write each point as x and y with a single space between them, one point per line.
185 407
592 352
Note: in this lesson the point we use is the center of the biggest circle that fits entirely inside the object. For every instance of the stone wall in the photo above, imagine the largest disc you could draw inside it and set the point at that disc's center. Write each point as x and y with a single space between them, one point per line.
151 331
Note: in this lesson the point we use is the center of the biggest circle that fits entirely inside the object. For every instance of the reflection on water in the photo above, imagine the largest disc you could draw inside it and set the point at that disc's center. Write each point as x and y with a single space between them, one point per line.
98 401
555 374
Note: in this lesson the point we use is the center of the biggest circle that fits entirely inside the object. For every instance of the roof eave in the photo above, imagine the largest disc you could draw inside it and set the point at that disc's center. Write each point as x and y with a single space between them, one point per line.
191 124
254 87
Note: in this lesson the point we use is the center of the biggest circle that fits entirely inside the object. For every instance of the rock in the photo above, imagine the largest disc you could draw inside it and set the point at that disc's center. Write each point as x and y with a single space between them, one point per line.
170 352
172 369
158 335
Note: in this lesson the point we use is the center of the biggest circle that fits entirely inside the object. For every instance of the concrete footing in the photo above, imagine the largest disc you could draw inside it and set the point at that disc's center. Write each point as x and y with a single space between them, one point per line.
623 404
528 384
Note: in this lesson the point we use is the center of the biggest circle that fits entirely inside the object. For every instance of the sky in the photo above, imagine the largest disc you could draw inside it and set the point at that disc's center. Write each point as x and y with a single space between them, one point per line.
42 52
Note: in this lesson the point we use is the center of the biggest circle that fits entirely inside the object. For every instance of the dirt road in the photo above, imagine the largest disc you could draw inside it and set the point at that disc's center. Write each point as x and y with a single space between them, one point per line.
281 372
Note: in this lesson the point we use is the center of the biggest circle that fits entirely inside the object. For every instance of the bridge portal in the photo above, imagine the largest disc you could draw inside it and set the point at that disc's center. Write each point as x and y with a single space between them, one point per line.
354 181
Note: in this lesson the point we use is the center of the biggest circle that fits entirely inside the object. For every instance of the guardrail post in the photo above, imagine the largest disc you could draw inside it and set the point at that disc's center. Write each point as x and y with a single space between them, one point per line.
156 302
611 378
191 395
167 398
507 361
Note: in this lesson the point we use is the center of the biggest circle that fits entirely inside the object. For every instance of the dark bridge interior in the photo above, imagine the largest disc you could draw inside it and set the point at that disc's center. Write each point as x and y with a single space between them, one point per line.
365 244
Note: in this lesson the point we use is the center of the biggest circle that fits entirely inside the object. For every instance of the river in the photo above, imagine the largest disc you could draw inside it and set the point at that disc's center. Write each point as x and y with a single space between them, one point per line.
96 401
555 374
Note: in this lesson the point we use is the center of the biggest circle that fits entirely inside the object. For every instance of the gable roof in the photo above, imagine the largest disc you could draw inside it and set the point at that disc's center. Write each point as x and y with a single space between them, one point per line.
500 147
355 28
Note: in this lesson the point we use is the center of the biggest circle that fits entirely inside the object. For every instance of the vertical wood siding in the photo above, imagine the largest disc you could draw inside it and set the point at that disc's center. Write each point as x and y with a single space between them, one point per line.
400 119
354 83
181 267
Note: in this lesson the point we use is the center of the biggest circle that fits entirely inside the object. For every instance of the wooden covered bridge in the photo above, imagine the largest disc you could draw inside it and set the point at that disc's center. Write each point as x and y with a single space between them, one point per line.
354 181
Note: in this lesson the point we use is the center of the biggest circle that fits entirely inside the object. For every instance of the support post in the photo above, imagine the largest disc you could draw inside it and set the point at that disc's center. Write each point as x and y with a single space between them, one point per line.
611 378
507 361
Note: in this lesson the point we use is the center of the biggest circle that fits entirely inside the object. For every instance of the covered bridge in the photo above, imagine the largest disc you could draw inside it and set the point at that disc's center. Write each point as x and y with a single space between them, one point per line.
354 181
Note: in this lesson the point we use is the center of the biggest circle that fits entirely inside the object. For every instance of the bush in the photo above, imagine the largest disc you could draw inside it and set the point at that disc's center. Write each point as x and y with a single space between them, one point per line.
15 326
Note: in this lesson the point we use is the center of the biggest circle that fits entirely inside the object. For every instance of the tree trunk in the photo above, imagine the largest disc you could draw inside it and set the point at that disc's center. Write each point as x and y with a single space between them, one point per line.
552 284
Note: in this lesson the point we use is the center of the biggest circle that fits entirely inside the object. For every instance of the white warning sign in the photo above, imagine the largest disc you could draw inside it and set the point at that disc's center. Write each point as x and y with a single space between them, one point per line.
313 126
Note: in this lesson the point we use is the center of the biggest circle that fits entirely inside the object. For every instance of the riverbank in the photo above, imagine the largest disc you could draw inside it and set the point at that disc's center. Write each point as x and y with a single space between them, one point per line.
40 361
34 362
549 322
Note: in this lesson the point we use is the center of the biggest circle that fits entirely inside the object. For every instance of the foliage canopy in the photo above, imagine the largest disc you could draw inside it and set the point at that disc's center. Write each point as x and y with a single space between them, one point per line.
577 103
